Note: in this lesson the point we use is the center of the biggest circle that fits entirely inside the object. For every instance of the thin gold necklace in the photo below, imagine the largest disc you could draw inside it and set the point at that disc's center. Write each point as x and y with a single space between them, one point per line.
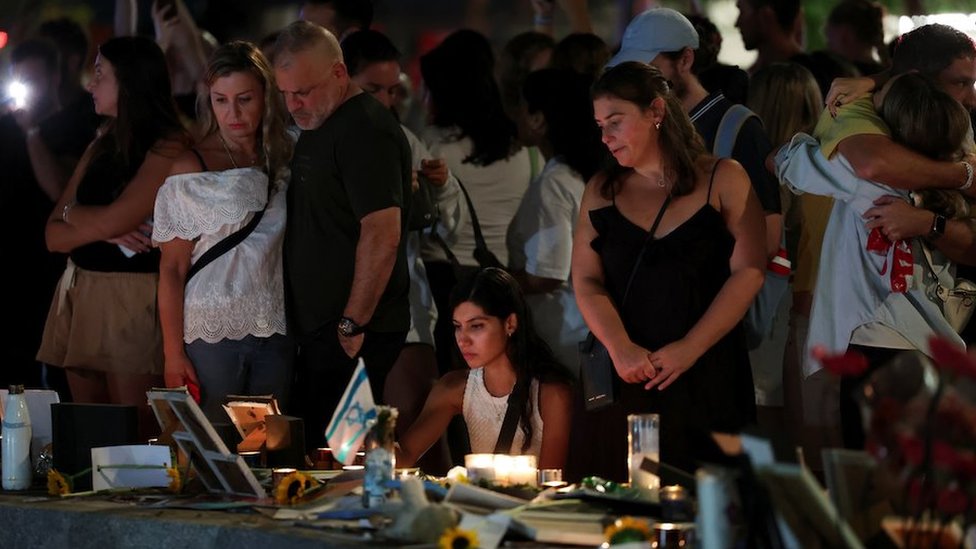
227 150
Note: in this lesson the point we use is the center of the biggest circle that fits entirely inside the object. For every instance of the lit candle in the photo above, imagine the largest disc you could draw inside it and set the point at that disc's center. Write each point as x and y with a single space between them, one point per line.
280 473
251 459
504 465
480 467
524 470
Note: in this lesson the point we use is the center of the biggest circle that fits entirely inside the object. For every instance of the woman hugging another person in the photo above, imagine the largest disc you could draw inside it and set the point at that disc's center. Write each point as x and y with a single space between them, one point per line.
224 322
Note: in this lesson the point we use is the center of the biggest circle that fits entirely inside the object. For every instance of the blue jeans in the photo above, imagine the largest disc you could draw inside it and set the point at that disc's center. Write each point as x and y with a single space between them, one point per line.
250 366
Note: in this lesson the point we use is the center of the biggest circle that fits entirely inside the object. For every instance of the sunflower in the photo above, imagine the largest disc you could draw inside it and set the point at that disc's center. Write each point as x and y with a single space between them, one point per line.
57 484
175 480
456 538
292 488
627 529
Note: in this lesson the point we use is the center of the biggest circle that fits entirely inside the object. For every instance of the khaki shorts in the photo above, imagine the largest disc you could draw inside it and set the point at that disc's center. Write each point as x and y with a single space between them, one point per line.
106 322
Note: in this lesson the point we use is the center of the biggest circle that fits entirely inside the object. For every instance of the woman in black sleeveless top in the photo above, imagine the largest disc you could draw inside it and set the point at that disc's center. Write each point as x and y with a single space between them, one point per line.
102 326
674 338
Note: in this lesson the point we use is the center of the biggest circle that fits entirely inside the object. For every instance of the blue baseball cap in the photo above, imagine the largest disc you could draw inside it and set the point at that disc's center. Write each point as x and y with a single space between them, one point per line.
652 32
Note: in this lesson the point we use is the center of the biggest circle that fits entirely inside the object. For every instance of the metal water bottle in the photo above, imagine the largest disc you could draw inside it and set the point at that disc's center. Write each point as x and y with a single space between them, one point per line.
16 467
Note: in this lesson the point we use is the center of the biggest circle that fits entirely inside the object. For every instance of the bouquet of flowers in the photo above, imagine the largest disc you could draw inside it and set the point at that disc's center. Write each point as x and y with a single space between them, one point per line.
920 419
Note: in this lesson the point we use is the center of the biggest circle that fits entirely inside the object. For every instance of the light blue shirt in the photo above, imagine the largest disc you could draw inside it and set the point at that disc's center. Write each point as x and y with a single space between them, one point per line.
851 288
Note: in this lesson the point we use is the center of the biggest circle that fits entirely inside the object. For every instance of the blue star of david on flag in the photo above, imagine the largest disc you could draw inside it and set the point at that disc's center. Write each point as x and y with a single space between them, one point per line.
353 417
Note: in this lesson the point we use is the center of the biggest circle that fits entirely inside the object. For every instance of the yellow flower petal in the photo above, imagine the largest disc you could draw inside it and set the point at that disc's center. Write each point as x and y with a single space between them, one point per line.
57 484
629 527
456 538
292 488
175 482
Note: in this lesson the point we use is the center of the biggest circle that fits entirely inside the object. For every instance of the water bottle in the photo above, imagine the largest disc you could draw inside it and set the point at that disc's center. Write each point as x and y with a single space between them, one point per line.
380 457
16 464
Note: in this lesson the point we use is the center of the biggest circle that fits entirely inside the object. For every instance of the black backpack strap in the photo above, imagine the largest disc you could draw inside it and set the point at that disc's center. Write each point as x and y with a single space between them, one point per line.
224 245
512 415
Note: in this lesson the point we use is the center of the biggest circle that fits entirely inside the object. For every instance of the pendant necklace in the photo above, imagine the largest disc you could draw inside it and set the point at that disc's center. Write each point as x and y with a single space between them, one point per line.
227 150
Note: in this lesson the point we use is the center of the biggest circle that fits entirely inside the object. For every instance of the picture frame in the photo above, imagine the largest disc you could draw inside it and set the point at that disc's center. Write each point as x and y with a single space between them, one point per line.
247 413
184 423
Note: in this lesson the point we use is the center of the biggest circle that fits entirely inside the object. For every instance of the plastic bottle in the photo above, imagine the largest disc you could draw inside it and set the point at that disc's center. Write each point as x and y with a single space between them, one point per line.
16 466
380 458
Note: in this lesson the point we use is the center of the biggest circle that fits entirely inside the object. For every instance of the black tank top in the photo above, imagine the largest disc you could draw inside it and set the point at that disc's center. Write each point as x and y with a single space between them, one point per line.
102 183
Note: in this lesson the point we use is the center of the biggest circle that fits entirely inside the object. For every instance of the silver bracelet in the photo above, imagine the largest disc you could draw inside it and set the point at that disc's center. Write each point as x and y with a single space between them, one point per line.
64 211
969 176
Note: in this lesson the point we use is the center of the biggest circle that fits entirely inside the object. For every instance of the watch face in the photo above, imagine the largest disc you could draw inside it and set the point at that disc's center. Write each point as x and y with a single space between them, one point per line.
348 328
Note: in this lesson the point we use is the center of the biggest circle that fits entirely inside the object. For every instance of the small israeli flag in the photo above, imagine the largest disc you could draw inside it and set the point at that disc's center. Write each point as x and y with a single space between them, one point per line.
353 418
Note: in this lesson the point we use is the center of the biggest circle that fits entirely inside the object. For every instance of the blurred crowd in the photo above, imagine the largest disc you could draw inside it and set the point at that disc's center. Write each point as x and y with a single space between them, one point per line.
253 217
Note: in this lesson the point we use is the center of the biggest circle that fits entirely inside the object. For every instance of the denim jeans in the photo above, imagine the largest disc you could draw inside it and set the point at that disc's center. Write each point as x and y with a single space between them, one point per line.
250 366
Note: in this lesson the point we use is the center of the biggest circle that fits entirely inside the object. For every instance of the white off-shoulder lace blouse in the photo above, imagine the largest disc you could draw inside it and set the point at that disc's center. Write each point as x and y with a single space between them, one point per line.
241 292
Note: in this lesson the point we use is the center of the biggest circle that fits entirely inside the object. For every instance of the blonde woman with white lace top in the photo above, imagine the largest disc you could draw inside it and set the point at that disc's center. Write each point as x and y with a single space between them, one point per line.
508 364
224 327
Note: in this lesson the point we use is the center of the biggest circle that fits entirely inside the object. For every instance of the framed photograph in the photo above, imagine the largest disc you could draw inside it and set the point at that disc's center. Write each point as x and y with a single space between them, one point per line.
220 470
804 513
247 413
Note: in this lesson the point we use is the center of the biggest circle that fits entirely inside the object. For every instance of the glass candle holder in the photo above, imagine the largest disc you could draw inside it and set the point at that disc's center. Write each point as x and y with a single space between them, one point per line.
643 441
551 478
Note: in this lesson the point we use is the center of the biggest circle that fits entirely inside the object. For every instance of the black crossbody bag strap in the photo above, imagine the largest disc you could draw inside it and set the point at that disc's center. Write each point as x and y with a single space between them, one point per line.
480 246
650 235
479 238
512 414
224 245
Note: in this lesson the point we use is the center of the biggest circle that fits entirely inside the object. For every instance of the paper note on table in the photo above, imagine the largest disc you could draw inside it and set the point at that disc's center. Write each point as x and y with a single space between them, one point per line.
115 466
471 497
490 529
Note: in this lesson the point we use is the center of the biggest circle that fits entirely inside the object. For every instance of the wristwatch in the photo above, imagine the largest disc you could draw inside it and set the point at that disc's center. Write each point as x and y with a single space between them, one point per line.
349 328
938 227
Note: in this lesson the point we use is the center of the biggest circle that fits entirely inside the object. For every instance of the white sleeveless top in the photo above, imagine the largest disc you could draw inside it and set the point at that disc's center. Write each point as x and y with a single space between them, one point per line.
484 415
241 292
